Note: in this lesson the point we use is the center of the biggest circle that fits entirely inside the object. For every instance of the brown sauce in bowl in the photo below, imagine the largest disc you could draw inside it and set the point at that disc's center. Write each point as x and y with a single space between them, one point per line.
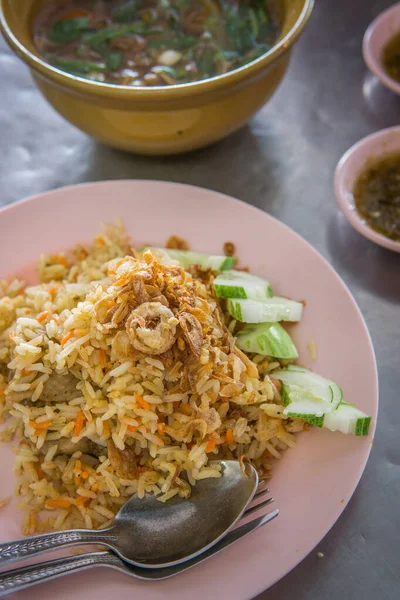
391 58
377 196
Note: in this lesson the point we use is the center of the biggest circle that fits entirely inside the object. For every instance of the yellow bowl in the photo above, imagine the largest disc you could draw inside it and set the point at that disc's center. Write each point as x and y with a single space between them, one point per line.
159 120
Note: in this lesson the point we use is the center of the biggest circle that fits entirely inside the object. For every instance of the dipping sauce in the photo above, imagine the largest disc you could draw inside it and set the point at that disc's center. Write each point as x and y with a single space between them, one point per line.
377 196
154 42
391 58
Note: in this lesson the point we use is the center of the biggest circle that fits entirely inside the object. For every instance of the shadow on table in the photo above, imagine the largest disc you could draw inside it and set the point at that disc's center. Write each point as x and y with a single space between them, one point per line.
234 166
382 106
374 268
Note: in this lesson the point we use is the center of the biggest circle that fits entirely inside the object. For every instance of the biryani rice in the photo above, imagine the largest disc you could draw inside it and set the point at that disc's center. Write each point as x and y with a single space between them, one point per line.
97 420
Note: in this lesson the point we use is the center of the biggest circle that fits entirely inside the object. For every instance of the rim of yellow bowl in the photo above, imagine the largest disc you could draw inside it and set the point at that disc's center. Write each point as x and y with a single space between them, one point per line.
170 92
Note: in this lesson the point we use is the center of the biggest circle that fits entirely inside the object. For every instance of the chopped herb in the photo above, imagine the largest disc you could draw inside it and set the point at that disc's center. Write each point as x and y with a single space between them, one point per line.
106 40
126 12
76 66
113 60
68 30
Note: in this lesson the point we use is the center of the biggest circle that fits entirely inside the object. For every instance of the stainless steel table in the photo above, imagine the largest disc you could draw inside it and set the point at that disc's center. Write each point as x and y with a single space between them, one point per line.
282 162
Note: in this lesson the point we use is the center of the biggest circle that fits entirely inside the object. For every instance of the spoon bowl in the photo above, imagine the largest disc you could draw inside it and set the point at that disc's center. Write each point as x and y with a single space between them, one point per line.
148 533
158 535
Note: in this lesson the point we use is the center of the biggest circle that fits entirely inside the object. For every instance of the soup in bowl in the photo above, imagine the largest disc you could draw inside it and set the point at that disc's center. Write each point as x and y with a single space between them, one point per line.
155 76
155 42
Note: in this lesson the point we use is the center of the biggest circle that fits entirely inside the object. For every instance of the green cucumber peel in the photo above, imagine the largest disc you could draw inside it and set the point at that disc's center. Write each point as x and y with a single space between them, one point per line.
268 339
242 285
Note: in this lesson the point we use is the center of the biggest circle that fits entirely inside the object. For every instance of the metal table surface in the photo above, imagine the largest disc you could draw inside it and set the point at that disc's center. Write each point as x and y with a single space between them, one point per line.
282 162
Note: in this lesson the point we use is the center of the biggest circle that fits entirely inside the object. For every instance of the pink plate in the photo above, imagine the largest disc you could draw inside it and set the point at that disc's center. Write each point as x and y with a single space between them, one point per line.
313 483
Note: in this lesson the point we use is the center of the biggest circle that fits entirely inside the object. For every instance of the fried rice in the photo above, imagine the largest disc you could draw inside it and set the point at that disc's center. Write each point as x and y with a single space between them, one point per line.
119 375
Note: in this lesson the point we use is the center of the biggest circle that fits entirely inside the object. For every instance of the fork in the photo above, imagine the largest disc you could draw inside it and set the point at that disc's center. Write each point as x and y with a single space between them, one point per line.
21 578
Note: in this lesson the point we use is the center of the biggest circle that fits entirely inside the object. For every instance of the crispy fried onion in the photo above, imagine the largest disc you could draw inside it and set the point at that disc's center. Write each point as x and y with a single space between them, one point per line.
151 328
251 367
192 331
203 421
242 460
123 349
231 389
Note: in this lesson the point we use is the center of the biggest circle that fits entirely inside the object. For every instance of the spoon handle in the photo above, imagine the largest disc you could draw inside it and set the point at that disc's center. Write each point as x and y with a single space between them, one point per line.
19 579
21 549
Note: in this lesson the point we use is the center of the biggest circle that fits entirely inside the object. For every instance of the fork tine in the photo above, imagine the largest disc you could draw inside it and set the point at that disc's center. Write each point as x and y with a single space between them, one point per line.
232 537
256 507
261 493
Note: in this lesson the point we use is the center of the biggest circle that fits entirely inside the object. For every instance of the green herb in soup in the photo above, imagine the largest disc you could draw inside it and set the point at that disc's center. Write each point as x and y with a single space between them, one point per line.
154 42
391 58
377 196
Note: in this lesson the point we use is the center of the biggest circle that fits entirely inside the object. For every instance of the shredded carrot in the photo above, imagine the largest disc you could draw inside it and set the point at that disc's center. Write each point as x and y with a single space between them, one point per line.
25 372
84 474
103 357
11 335
185 408
52 290
161 428
43 425
95 487
67 337
27 311
40 472
132 428
276 383
63 260
210 446
142 402
81 500
80 419
58 503
43 316
229 436
100 241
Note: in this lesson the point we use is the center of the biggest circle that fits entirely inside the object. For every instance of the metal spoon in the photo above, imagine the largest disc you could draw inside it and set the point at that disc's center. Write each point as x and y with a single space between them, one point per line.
150 534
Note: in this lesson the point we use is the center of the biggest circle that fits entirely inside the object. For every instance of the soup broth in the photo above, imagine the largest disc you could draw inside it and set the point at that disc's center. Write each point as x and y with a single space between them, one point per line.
154 42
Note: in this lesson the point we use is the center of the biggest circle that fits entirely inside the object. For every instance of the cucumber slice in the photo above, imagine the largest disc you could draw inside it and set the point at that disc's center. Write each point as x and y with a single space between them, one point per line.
269 339
270 310
299 402
186 258
317 421
239 284
348 419
319 401
298 380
